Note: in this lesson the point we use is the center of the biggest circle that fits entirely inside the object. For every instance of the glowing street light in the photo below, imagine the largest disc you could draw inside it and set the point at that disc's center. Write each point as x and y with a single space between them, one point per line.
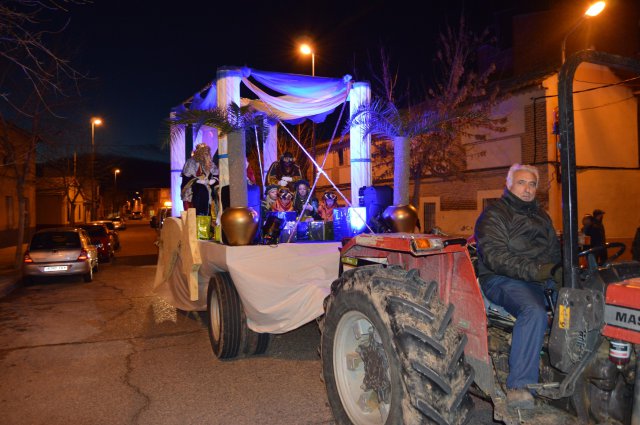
305 49
593 10
94 122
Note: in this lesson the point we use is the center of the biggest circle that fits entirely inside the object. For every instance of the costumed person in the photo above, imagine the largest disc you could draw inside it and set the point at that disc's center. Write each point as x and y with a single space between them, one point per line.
327 205
284 172
284 202
268 226
199 178
269 200
302 197
251 177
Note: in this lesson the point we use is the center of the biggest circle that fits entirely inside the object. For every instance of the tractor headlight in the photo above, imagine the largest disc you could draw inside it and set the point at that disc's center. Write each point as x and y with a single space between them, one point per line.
424 244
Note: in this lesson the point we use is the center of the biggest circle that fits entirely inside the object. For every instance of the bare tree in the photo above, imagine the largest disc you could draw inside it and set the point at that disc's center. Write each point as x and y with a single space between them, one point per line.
26 55
427 134
391 123
32 75
460 93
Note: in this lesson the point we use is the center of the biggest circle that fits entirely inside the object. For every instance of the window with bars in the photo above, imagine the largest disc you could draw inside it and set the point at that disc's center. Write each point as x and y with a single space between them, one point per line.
429 216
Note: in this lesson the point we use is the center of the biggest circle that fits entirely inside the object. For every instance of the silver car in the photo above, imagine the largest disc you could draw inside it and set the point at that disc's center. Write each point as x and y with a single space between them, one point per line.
119 223
60 252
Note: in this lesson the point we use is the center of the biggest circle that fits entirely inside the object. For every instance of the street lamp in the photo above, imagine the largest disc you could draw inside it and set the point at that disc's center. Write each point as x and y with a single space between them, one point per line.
307 50
94 122
115 186
593 10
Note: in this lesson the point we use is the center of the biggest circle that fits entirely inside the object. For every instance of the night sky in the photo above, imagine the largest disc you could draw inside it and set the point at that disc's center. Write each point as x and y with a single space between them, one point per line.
145 57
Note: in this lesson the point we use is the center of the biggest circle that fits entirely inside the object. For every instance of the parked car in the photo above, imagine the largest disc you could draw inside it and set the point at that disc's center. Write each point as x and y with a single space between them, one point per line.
60 251
101 239
115 239
158 220
119 223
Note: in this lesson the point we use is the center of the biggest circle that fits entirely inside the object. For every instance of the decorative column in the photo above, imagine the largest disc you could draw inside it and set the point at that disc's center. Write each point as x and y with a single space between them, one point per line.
239 223
360 145
228 91
402 215
177 160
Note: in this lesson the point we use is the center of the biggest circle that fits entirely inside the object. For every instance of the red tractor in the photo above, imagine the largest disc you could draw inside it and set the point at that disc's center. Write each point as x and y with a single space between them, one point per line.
407 334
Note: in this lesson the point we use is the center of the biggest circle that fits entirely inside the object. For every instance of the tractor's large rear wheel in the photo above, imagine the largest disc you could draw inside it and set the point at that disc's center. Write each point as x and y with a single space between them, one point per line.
227 324
389 352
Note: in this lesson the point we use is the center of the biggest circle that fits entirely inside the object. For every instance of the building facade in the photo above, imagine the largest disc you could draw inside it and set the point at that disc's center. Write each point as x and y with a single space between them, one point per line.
17 174
61 202
607 156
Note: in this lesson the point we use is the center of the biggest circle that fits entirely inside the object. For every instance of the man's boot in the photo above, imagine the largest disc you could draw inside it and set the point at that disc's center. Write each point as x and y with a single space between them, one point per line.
520 399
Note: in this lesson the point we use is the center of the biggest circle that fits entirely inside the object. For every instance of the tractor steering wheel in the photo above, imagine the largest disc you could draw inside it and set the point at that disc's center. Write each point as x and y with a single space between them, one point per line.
589 252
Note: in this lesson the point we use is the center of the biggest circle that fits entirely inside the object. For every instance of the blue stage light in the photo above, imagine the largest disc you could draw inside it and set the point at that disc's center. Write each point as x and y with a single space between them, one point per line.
357 217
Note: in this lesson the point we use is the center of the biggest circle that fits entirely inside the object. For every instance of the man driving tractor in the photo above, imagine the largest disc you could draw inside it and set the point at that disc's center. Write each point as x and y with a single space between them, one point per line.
518 257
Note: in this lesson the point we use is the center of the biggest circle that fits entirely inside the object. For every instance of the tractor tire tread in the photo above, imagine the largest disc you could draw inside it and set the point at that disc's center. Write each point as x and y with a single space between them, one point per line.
431 352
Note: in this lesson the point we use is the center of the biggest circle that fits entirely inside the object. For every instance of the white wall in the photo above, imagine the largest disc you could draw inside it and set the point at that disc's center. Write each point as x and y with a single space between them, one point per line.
494 149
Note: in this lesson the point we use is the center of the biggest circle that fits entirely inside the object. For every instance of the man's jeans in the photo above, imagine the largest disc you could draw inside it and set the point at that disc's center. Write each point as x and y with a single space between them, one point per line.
526 302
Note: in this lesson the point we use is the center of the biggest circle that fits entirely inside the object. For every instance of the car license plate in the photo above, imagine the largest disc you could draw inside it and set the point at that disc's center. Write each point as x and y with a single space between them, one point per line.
55 268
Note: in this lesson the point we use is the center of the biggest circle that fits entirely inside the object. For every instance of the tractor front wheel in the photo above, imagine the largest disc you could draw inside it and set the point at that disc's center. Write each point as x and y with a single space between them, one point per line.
389 352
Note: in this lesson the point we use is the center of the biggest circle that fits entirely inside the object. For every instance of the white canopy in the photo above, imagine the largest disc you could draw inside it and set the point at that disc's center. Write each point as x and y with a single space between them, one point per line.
300 97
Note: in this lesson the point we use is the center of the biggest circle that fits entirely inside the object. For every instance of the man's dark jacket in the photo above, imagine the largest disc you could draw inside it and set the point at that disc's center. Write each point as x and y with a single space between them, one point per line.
515 238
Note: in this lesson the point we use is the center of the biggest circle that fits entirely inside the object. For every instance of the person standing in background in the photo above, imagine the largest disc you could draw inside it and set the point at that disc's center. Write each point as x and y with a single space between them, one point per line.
598 235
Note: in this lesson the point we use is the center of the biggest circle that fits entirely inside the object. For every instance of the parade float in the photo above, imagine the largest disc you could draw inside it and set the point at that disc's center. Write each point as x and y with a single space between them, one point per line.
253 290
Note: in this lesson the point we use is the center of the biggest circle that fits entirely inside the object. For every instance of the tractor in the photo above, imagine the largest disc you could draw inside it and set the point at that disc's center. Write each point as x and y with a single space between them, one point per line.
407 335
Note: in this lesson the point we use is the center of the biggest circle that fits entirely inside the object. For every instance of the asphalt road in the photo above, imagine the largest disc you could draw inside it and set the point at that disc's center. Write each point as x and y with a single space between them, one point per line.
111 352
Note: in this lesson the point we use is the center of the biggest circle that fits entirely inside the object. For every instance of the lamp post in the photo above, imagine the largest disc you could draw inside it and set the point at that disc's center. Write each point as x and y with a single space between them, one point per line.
94 122
593 10
115 187
307 50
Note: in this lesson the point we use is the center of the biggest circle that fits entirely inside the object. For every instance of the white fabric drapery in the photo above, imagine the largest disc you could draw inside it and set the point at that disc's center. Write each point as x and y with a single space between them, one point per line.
270 151
303 97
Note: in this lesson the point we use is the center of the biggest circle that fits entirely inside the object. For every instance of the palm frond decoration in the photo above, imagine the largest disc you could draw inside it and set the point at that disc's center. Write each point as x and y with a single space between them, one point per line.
225 120
383 119
233 121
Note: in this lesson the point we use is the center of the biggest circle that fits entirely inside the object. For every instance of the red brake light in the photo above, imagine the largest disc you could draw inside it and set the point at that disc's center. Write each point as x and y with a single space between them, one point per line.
27 257
83 255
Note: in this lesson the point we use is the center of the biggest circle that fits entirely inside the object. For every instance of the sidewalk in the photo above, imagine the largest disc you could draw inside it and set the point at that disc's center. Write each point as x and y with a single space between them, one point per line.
9 277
